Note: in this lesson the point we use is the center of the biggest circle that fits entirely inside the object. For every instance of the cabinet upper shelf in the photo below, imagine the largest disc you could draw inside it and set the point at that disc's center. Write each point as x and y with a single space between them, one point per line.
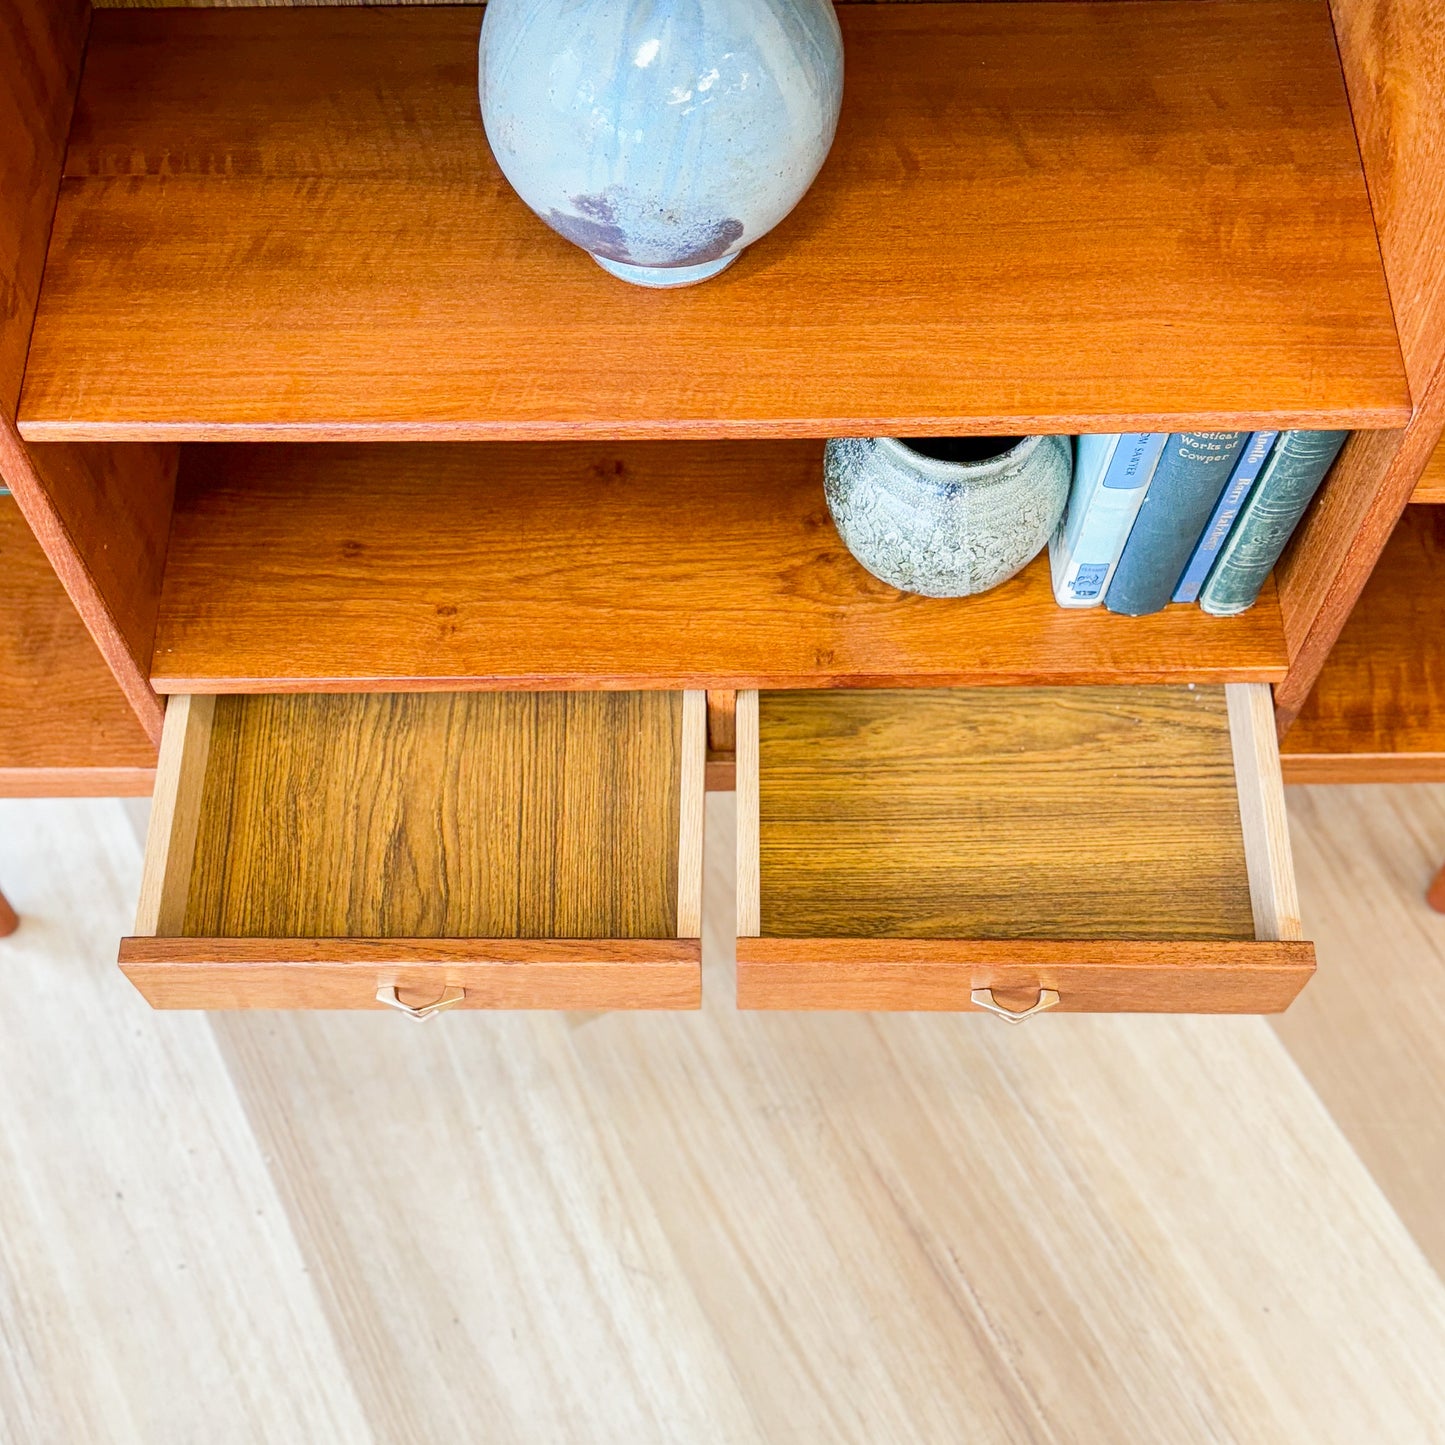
286 223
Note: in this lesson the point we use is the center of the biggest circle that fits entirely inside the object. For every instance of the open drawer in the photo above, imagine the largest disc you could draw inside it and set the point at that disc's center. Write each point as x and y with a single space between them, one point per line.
1095 849
425 850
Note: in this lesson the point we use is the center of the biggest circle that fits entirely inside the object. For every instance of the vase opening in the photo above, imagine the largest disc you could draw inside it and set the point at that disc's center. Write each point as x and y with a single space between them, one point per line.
962 450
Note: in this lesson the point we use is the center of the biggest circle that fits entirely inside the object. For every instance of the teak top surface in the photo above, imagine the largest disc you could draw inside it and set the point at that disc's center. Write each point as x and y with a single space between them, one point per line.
60 709
440 816
1036 217
644 564
1077 813
1382 690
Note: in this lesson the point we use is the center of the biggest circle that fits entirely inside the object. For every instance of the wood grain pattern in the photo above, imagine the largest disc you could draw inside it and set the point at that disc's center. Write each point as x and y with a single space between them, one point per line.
156 1242
1067 814
692 801
440 815
721 726
287 224
1377 713
41 44
667 565
65 728
1262 813
1393 52
345 973
749 882
1369 1032
175 816
1431 486
103 515
1340 541
1090 1230
99 513
1120 976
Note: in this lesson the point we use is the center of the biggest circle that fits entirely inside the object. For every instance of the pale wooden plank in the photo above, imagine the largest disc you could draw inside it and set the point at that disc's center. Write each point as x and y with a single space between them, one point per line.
692 789
1262 814
175 815
1369 1032
749 875
153 1291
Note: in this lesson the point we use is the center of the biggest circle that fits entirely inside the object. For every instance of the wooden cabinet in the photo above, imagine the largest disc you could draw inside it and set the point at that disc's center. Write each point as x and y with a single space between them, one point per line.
436 726
1118 848
501 850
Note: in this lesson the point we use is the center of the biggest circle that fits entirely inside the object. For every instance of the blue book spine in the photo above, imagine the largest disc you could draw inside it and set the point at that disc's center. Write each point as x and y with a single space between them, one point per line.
1111 476
1246 470
1295 469
1192 473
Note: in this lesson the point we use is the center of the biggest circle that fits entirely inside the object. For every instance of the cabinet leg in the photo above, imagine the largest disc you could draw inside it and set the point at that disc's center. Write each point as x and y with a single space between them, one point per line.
1435 897
8 921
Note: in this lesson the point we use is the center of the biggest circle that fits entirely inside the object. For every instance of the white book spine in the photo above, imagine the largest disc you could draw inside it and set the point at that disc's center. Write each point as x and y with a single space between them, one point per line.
1111 475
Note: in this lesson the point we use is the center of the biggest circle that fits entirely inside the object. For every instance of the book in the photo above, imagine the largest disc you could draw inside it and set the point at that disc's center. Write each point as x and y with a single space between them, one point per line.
1194 469
1111 475
1272 511
1246 470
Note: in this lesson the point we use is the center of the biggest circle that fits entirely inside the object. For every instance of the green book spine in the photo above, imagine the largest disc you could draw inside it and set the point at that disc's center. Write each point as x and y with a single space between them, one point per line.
1268 518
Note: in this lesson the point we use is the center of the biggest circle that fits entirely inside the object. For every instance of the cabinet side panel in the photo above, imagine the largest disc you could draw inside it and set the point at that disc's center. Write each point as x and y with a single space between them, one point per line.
102 514
1393 53
42 43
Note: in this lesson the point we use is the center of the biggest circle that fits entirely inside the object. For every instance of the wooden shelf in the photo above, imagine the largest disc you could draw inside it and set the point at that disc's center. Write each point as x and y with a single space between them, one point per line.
588 565
1037 217
65 728
1377 713
1431 486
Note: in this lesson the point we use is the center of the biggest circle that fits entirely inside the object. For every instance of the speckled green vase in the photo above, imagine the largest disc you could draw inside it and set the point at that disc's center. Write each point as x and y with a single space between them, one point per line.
947 517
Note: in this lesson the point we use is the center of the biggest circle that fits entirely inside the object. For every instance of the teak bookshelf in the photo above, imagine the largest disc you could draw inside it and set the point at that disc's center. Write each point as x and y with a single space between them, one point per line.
299 398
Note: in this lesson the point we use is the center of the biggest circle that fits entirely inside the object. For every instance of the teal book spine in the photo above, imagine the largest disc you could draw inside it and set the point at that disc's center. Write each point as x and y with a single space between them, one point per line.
1246 473
1291 476
1192 473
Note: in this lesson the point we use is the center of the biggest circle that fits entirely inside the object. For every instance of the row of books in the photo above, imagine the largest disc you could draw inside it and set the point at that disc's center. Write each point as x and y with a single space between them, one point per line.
1159 517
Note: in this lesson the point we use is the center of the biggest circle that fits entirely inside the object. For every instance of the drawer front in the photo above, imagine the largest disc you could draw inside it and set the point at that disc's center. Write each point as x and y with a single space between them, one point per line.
929 974
354 973
1093 849
489 850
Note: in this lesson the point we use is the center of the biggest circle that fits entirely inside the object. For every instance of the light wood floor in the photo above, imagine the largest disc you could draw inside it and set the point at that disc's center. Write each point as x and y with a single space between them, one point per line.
711 1228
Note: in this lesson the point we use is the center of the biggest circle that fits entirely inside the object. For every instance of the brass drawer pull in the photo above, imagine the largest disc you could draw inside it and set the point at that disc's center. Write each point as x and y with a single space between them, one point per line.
983 998
387 994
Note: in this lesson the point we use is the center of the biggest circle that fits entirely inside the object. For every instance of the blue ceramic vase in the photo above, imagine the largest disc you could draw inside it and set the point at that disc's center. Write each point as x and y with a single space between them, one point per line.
947 516
661 136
